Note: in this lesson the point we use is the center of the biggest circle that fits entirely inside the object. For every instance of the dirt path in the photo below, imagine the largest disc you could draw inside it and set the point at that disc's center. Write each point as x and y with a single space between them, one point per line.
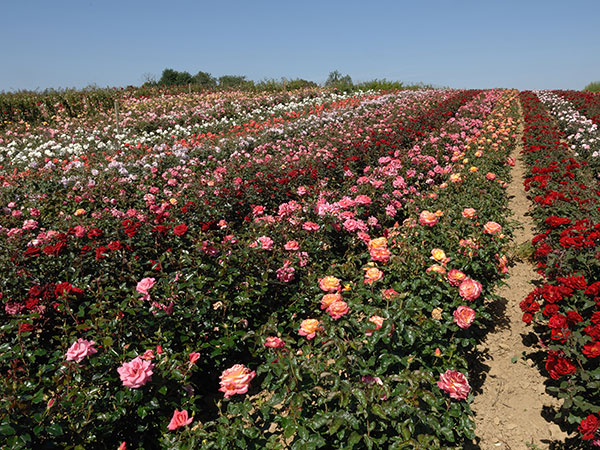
512 397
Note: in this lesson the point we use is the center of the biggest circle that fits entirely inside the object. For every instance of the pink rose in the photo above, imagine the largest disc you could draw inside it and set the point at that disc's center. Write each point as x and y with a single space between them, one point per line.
80 350
455 384
265 242
179 419
292 245
136 373
469 289
464 316
236 380
144 285
194 357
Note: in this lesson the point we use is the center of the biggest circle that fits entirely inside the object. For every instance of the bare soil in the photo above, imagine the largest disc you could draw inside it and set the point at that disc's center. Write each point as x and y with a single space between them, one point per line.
512 408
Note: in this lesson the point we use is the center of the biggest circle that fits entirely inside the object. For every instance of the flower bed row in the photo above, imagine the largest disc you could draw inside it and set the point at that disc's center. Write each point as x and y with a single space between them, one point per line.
141 279
141 308
587 103
581 133
566 307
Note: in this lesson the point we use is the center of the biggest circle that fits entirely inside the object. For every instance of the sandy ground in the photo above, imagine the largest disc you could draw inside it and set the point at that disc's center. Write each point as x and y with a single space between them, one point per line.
512 403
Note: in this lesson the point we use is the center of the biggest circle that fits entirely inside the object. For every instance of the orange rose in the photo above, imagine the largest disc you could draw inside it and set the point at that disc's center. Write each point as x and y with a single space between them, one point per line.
427 218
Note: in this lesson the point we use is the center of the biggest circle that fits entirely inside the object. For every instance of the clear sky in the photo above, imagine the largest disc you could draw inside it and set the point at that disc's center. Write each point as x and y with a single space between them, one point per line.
461 44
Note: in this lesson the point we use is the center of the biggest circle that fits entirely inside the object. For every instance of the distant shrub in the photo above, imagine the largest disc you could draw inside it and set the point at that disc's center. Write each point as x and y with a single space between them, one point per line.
338 81
593 87
234 82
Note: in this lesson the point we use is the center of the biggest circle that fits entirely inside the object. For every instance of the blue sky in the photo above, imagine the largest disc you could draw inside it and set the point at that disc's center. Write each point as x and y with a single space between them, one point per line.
462 44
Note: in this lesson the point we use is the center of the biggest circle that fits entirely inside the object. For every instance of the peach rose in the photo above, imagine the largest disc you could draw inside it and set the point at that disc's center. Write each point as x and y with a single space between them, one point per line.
455 178
455 277
328 299
469 289
492 228
380 242
338 309
428 218
437 254
372 274
309 328
437 269
236 380
381 254
378 321
469 213
464 316
330 284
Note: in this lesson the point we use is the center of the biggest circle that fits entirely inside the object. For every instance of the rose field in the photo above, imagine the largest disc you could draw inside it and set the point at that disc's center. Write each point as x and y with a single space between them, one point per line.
303 269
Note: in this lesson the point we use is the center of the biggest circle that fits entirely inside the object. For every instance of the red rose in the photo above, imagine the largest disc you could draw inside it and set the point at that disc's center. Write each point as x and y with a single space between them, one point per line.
592 349
588 427
180 230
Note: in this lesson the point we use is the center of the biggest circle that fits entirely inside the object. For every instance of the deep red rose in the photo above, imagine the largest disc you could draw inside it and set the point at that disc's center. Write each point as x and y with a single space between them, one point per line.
180 230
558 366
162 229
596 317
573 318
527 317
593 332
94 233
573 282
62 289
24 327
115 245
101 252
554 221
85 249
593 289
558 321
550 309
32 252
588 427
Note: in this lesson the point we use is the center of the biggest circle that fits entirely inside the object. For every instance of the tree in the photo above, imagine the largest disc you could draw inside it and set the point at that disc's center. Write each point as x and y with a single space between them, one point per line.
233 81
339 81
204 79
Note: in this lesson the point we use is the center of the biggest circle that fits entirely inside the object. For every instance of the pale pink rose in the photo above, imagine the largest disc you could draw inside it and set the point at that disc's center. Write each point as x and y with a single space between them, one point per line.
469 213
378 321
291 245
265 242
236 380
464 316
136 373
469 289
455 384
428 218
144 285
30 224
338 309
179 419
309 328
492 228
80 350
274 342
455 277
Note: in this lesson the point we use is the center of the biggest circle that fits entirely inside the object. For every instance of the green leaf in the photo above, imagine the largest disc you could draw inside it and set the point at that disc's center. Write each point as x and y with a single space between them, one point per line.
55 429
6 430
